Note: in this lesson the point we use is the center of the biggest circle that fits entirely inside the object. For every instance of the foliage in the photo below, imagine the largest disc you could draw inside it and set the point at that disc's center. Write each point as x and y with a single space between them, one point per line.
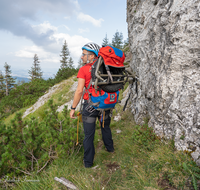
105 41
126 43
144 137
193 171
80 64
71 63
64 73
28 93
117 40
2 86
9 80
65 56
28 147
131 166
20 82
35 72
23 95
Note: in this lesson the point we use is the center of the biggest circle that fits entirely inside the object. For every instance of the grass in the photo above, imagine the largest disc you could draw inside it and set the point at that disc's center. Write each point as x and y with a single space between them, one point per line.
61 96
7 120
140 161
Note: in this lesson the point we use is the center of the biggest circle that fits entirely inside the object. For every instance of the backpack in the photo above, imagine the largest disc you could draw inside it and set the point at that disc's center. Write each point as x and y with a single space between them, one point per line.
107 78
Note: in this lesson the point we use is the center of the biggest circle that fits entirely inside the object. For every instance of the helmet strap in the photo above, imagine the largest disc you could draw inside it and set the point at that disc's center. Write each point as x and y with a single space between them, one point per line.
87 58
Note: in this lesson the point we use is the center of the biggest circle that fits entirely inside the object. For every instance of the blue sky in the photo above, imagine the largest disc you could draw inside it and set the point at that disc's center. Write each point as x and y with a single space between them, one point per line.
40 27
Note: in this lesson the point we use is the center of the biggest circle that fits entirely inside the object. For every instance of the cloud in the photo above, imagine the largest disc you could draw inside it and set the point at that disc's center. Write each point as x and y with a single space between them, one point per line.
44 28
87 18
51 54
16 16
80 30
30 51
75 43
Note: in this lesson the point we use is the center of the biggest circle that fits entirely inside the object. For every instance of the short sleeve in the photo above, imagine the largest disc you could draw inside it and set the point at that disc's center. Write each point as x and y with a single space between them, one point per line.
81 73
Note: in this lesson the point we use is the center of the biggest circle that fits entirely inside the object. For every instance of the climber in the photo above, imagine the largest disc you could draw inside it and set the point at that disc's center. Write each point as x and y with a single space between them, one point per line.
89 114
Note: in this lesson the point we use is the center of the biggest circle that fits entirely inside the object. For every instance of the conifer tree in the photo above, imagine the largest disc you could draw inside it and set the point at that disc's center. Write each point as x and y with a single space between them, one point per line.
117 40
105 41
71 63
64 55
126 42
80 64
2 85
35 72
9 80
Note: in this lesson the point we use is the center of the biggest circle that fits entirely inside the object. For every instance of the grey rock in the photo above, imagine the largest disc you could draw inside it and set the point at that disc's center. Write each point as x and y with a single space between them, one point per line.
198 162
165 46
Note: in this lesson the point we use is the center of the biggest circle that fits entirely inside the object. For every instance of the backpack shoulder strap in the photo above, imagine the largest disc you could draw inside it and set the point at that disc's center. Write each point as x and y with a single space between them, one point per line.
89 84
84 91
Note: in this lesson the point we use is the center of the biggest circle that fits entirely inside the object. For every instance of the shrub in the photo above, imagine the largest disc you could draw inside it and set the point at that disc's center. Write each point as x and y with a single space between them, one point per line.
28 147
64 73
28 93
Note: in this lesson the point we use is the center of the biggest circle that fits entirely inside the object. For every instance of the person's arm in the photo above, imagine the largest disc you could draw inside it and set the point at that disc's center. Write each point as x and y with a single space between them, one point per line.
77 95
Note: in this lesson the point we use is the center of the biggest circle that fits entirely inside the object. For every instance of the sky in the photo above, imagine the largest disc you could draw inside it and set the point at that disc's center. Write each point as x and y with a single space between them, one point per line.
41 26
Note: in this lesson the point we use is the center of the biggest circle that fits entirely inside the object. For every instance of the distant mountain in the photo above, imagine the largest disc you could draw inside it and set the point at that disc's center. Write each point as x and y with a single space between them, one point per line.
21 79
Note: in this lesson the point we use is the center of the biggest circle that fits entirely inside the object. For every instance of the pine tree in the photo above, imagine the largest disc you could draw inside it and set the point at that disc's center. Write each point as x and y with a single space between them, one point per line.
9 80
126 42
105 41
71 63
117 40
35 72
64 55
80 64
2 85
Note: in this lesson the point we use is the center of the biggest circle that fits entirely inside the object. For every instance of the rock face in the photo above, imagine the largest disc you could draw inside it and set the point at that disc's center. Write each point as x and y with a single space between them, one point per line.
164 40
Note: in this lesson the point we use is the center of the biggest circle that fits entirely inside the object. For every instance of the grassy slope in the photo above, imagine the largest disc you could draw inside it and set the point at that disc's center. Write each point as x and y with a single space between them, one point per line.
132 166
60 97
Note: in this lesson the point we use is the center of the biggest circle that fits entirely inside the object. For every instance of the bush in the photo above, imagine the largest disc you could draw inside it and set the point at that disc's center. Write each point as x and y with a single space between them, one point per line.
64 73
23 95
27 147
28 93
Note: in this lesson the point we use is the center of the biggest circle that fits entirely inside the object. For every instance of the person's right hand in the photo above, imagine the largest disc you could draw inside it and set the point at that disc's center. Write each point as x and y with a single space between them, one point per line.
72 114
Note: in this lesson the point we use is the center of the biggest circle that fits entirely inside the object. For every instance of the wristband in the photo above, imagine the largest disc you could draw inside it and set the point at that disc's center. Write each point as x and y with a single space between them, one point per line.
72 108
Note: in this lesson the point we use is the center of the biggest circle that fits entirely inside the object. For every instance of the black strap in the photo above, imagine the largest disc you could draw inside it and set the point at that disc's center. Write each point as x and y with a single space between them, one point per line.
85 89
126 102
128 98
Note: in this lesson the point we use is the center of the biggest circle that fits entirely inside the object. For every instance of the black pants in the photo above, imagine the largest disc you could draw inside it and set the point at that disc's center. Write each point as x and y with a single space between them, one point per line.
89 116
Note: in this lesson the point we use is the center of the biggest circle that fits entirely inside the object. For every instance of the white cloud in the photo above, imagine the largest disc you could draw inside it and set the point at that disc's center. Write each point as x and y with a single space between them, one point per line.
30 51
26 11
75 43
87 18
51 53
80 30
44 28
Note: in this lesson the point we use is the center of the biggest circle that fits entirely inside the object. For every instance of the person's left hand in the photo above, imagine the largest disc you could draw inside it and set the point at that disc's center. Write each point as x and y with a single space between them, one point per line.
72 114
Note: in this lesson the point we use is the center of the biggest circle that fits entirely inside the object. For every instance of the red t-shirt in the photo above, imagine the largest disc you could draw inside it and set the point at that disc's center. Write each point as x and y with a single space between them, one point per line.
85 73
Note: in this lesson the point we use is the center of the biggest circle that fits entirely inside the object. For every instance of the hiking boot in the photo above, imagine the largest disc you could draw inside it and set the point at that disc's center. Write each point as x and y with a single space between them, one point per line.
86 166
111 151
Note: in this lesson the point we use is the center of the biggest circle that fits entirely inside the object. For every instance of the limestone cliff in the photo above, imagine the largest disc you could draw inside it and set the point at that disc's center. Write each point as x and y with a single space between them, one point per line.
164 40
